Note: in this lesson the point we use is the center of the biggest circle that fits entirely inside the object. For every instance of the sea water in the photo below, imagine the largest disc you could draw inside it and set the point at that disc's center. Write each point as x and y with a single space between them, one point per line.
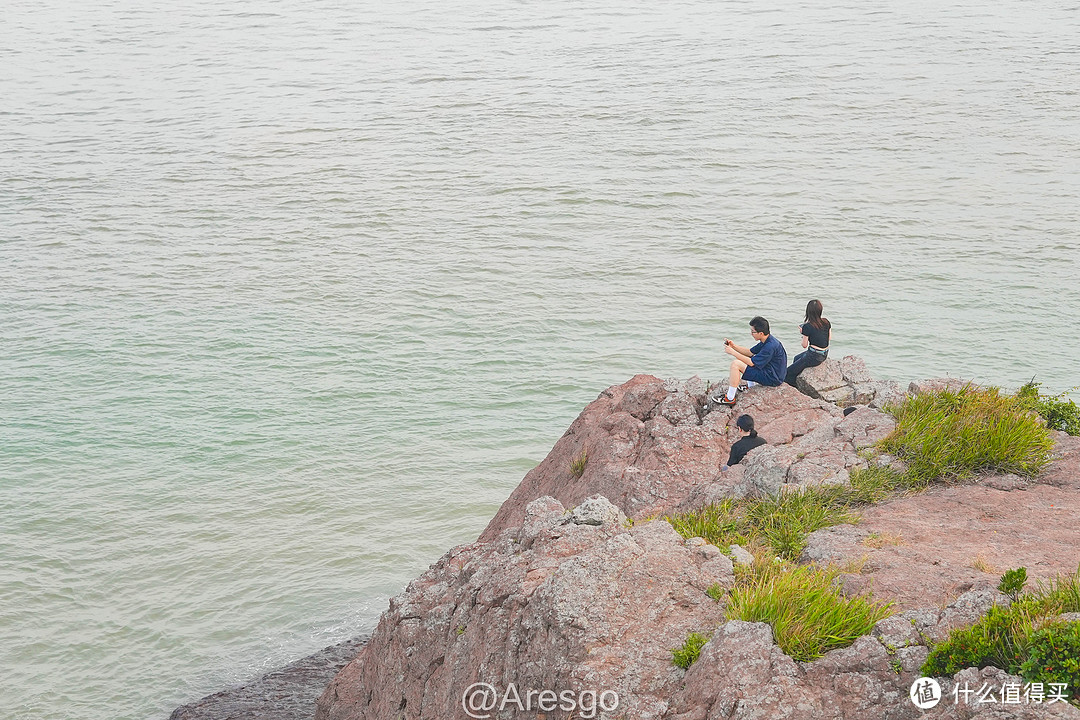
292 294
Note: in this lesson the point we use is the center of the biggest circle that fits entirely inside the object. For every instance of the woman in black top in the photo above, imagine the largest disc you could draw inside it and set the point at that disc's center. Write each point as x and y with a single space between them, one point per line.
816 334
746 443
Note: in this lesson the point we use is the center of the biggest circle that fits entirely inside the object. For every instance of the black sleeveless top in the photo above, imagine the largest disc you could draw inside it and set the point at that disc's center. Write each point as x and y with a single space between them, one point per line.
819 337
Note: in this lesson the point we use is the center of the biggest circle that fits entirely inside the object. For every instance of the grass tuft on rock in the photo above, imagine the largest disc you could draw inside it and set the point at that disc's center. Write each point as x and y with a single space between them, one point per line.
685 656
807 611
577 465
1060 595
948 436
783 521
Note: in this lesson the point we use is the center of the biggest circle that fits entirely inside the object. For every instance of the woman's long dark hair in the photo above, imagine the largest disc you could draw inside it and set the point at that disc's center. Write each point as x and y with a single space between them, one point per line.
813 315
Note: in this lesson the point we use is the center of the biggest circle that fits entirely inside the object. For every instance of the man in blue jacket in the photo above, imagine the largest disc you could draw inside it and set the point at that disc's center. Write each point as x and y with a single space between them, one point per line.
763 364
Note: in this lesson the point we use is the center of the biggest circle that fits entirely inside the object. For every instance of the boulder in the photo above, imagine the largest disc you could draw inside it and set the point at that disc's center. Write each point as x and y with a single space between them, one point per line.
549 605
823 378
650 445
766 468
886 392
854 370
833 544
846 382
741 556
969 607
597 510
865 427
825 453
742 674
897 631
917 387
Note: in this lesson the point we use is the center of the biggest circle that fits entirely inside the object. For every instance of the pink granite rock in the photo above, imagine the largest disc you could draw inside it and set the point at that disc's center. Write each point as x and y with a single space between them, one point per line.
585 600
650 443
653 447
916 387
559 604
847 382
564 604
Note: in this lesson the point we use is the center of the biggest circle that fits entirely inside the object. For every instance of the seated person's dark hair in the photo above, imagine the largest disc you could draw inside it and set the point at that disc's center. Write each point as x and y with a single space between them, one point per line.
744 445
760 324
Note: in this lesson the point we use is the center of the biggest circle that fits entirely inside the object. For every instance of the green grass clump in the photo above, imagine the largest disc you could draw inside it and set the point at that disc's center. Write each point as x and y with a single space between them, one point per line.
577 465
1061 595
873 485
783 521
1059 413
948 435
715 592
1009 638
685 656
808 613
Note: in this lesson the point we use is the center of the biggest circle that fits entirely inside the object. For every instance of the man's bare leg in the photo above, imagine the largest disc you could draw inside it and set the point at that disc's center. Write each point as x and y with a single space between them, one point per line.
735 374
734 378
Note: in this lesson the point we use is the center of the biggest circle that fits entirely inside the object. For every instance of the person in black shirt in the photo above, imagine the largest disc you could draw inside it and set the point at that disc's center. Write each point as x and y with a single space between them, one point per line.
748 442
816 334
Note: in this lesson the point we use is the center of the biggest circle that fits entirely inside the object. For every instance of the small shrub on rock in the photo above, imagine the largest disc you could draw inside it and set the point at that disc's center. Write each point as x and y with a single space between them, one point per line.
685 656
998 639
1012 582
1054 657
1059 413
1006 637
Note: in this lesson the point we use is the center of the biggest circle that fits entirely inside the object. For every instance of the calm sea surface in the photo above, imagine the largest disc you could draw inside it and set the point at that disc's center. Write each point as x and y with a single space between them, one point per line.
293 293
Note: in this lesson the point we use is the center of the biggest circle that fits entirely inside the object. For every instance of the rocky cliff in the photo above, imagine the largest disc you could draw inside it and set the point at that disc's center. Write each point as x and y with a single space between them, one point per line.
652 446
572 599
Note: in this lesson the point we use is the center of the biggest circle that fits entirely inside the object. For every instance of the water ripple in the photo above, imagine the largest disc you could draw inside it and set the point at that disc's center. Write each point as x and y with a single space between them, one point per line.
294 296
